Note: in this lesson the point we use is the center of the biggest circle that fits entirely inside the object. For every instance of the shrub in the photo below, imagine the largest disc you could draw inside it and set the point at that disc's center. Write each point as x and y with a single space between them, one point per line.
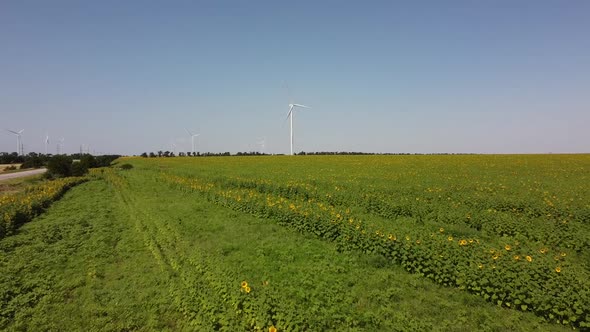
32 162
126 166
59 166
79 169
88 161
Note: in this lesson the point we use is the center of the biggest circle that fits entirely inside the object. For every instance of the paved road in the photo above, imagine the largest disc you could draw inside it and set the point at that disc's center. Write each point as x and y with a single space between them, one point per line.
21 174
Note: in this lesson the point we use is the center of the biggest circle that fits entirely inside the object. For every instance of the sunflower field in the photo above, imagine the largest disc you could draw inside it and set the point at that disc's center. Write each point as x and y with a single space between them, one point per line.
302 243
513 229
18 208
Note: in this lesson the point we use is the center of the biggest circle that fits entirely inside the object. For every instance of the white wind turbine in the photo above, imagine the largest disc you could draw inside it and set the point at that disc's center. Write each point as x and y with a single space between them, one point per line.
60 144
262 144
18 140
192 138
46 143
173 145
292 107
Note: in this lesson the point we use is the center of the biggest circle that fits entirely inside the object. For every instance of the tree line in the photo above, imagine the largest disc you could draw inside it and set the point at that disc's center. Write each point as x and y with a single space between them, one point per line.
168 154
61 165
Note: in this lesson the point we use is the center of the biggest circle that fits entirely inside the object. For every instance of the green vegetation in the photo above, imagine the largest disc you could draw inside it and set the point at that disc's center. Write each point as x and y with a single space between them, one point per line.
78 268
126 166
64 166
11 186
20 207
35 160
514 234
189 262
272 251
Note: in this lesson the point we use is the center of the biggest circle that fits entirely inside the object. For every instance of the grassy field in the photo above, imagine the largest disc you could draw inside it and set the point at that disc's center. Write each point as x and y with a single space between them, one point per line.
308 243
11 186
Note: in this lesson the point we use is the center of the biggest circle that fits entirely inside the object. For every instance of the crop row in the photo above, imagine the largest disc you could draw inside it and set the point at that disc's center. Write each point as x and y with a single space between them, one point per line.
19 208
563 227
507 272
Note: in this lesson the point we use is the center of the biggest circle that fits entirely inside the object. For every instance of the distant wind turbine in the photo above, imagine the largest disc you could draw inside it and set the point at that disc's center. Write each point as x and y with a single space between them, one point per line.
46 143
173 145
18 140
60 144
262 144
192 138
292 107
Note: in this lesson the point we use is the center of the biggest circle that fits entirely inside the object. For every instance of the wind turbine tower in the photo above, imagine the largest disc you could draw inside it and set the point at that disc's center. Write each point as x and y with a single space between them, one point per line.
292 107
192 138
262 145
19 147
60 145
173 146
46 143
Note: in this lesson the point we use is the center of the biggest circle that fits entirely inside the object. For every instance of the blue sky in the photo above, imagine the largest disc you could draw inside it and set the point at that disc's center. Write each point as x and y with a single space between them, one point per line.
416 76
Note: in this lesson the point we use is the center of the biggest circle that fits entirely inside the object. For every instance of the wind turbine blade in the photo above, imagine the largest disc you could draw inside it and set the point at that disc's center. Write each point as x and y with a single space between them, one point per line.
289 114
299 105
21 131
188 132
12 131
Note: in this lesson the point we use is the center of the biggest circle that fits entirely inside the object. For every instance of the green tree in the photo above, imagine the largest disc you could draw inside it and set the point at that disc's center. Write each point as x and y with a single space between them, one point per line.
79 169
88 161
59 166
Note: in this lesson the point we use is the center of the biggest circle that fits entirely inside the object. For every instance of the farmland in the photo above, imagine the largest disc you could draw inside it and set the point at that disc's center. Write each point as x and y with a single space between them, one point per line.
308 243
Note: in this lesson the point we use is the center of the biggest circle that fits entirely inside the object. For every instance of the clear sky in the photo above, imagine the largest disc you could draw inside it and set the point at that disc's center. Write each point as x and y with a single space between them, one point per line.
415 76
